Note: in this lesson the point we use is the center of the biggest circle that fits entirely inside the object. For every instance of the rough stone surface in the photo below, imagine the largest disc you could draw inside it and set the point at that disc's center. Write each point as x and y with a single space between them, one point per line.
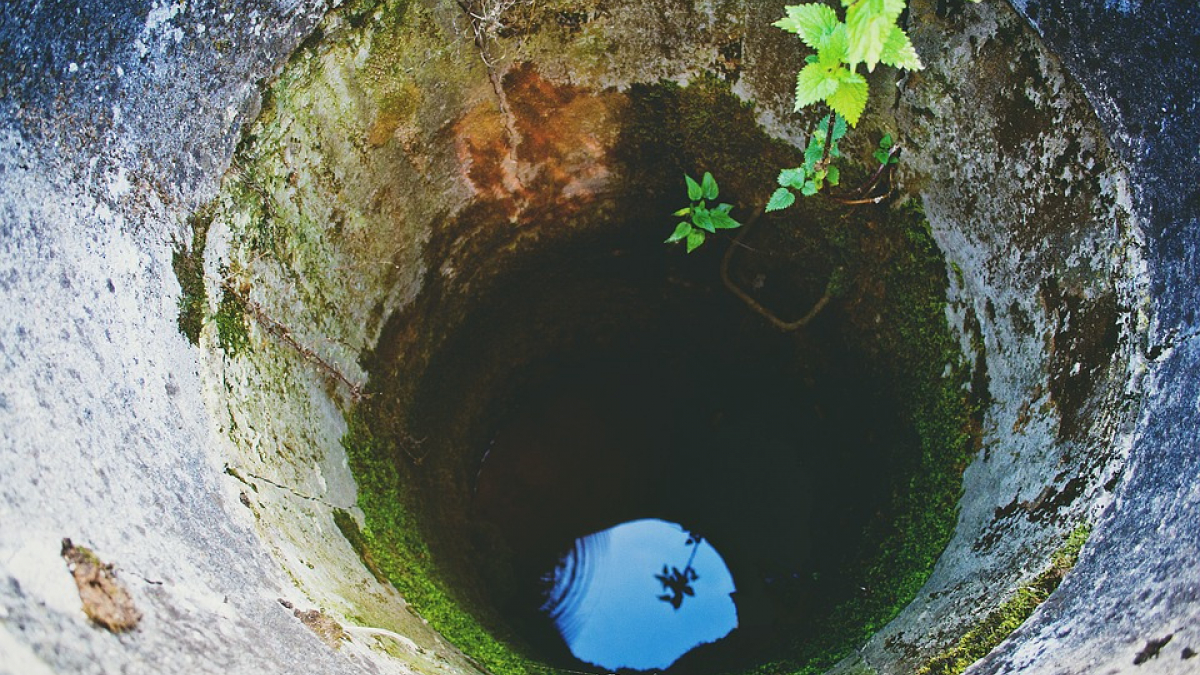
118 119
1136 582
1052 292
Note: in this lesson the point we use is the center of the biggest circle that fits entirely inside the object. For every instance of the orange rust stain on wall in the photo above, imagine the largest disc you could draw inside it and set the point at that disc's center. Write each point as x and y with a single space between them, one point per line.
483 150
567 133
565 137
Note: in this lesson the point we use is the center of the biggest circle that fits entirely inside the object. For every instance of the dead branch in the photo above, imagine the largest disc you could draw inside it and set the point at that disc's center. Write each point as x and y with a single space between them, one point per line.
786 326
282 333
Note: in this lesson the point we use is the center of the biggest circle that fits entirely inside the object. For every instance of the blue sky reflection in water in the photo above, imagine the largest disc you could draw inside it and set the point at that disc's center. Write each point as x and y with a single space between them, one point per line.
606 599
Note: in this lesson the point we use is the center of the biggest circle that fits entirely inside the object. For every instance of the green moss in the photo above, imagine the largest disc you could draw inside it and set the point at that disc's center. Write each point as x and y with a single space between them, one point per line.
189 270
393 539
997 626
349 529
231 323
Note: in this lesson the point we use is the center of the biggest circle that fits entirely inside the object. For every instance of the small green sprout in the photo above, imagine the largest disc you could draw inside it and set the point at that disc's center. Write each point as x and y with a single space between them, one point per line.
703 218
885 154
809 178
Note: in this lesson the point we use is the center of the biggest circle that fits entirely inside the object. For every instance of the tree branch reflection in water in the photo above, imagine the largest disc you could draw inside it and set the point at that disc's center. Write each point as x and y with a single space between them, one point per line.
679 582
613 614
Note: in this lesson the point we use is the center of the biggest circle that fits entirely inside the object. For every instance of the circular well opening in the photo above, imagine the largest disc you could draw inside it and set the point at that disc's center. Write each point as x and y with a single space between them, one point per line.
606 380
542 369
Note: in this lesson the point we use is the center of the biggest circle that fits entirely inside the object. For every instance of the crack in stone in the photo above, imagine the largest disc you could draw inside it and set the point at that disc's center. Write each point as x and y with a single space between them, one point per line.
287 488
1155 352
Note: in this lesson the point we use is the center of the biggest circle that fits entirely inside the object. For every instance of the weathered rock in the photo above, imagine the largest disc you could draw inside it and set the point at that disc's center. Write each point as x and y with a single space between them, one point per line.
1070 212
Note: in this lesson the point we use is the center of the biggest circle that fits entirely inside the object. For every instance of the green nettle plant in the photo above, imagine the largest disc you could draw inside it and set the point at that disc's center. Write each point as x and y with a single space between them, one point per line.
869 35
885 153
816 172
702 217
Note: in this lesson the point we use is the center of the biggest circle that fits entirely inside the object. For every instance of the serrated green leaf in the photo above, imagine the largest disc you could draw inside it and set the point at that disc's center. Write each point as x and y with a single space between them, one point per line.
812 22
880 156
885 143
722 221
868 25
693 188
839 126
681 230
788 24
694 239
792 178
891 9
850 99
814 83
815 150
780 199
836 49
898 51
809 189
703 220
683 212
833 176
865 42
709 186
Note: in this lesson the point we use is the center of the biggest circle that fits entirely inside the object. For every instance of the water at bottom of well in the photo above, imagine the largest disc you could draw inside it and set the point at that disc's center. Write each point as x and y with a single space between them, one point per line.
640 595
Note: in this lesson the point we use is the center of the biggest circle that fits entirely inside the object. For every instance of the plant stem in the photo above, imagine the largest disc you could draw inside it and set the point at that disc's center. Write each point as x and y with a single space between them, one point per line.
866 188
280 331
781 324
828 141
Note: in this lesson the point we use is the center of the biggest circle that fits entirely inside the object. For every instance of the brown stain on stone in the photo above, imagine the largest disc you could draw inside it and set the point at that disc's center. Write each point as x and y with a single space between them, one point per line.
105 600
330 631
1084 338
565 135
480 139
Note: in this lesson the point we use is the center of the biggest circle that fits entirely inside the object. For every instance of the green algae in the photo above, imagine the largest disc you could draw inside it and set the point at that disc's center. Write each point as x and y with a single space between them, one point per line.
232 332
350 530
394 540
1001 622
